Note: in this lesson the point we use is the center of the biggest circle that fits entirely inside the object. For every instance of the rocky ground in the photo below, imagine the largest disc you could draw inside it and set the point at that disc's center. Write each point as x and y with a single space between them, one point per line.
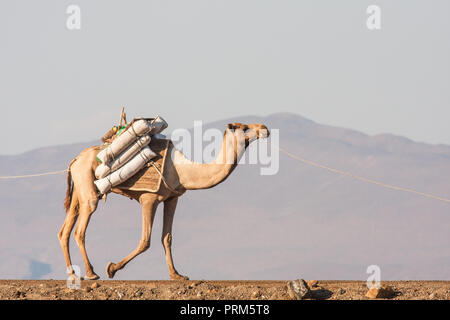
213 290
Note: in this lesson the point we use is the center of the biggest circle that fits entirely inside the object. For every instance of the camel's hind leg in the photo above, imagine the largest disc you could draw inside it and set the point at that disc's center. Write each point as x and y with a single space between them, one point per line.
66 229
87 208
149 202
166 238
83 180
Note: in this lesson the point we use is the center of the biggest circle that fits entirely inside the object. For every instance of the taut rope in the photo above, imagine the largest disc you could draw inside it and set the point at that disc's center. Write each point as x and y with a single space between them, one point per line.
33 175
293 156
354 176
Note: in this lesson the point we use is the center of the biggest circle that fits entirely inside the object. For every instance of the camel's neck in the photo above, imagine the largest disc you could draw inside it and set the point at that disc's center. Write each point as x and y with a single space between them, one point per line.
194 175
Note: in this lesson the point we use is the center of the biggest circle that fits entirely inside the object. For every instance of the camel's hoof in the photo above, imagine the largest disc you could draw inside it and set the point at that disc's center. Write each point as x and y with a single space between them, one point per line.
109 270
91 277
178 277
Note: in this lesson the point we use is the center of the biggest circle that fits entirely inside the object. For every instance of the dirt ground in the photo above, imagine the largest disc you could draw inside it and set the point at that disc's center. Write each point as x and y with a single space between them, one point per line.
212 290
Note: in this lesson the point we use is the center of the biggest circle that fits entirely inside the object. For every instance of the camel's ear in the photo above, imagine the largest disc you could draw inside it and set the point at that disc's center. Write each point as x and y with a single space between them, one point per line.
237 125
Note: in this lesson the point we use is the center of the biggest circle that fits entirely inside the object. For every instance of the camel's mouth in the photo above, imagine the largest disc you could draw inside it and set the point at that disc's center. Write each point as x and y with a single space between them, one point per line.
263 133
259 130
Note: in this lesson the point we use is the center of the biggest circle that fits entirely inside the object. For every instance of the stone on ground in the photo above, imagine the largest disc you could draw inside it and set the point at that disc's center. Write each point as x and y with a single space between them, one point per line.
298 289
95 285
385 292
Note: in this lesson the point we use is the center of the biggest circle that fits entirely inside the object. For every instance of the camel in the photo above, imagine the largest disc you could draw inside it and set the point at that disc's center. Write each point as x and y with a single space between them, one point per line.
180 175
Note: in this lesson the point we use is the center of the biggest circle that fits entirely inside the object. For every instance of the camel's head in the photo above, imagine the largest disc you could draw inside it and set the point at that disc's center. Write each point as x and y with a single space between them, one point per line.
252 131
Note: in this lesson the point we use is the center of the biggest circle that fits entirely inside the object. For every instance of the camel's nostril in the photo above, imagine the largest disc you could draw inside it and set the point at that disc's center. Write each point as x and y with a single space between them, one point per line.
264 132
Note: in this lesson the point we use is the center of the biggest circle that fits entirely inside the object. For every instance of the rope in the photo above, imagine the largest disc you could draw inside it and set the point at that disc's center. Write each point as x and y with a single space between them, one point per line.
354 176
296 157
33 175
164 179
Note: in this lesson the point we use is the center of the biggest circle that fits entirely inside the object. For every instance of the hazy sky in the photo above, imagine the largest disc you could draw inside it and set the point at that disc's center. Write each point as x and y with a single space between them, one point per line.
207 60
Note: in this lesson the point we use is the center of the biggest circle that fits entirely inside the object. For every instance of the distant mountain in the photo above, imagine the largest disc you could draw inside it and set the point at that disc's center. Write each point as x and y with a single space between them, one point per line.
302 222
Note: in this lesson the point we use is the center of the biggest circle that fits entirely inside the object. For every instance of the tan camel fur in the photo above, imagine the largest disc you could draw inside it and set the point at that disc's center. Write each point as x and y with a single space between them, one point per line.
180 174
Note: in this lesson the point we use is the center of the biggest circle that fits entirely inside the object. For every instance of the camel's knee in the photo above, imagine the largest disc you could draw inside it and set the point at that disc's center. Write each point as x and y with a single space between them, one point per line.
144 245
63 235
60 233
167 240
63 238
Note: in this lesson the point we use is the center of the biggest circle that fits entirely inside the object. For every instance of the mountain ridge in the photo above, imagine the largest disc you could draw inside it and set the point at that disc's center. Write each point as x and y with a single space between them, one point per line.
379 136
301 222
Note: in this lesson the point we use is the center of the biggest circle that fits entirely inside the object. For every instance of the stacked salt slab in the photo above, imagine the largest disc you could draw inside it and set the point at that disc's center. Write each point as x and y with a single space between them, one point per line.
127 154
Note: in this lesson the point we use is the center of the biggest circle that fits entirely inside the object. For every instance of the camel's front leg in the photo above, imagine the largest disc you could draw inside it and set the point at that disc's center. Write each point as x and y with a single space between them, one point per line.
166 239
149 204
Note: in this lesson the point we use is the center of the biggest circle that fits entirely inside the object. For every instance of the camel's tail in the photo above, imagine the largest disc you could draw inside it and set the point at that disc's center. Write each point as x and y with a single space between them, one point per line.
69 190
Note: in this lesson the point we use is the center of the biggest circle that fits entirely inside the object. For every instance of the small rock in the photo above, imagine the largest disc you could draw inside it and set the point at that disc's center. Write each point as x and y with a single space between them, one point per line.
382 292
298 289
138 293
432 296
313 283
340 291
256 294
95 285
